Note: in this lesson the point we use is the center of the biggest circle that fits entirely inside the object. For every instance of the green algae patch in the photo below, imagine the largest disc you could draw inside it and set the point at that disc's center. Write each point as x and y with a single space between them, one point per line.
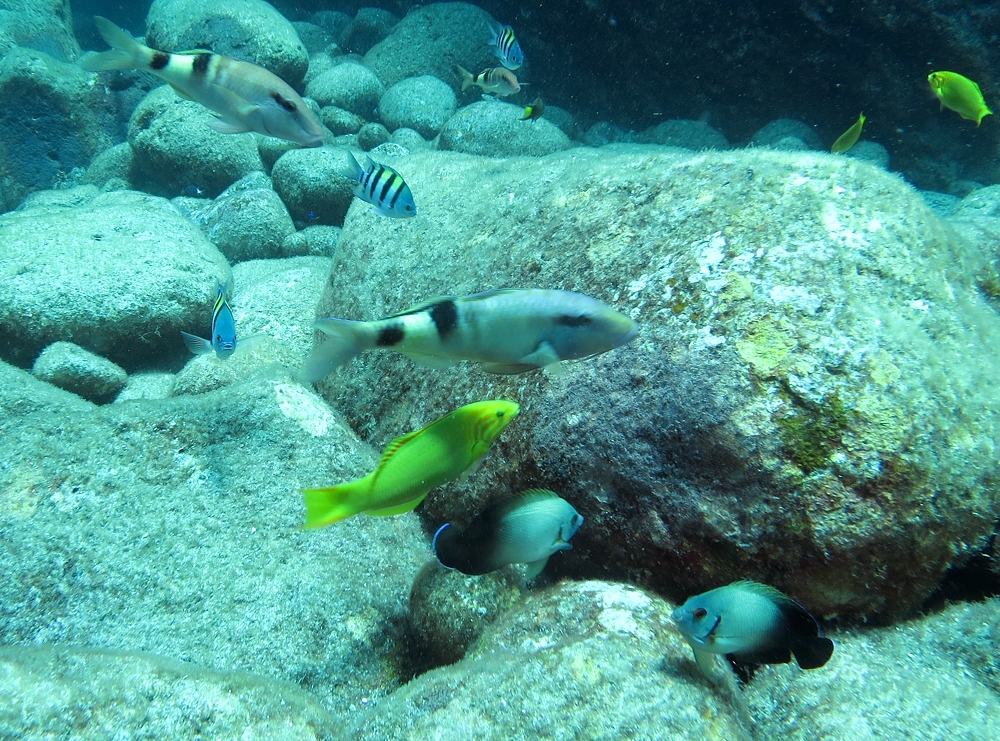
813 431
765 346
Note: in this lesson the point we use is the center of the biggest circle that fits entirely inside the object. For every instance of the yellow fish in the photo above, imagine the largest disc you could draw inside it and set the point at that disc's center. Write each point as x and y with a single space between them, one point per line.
849 138
413 464
960 94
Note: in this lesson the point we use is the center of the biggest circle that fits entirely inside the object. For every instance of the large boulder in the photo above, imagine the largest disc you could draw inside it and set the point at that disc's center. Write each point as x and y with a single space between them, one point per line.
53 120
174 527
119 274
251 30
497 129
431 40
42 25
174 148
810 400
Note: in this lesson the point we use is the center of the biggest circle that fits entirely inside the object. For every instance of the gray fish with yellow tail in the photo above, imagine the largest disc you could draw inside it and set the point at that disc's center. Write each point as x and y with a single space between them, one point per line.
243 96
528 528
753 622
497 80
534 111
508 330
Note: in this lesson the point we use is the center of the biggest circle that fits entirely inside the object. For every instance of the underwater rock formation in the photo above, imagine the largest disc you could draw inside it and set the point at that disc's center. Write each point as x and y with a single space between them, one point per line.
810 401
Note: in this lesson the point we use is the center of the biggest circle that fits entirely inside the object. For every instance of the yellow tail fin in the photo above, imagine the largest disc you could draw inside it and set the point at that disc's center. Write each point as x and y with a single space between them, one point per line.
333 504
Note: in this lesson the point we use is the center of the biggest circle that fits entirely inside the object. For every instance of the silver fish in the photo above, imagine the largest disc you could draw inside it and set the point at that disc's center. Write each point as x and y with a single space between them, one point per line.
505 46
508 330
755 623
223 327
497 80
527 528
244 96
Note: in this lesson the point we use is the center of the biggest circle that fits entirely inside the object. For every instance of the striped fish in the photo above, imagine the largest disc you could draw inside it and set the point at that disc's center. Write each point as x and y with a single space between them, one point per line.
497 80
223 327
243 96
505 46
384 188
508 331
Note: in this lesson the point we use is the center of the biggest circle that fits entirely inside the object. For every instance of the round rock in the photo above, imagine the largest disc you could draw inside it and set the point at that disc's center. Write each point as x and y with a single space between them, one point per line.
70 367
495 129
313 186
174 148
119 275
420 103
251 30
348 85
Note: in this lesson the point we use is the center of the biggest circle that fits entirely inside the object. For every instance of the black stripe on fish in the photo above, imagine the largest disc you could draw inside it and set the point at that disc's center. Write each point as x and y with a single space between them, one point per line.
373 177
398 184
160 60
444 314
200 64
389 336
284 102
387 185
568 320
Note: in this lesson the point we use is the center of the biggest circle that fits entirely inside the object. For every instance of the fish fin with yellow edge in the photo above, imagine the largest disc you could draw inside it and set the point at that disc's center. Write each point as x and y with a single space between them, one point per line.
335 503
398 509
393 447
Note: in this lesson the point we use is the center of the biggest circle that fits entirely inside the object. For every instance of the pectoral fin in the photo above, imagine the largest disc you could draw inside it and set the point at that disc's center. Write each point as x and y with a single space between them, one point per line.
197 345
471 469
543 356
535 568
224 126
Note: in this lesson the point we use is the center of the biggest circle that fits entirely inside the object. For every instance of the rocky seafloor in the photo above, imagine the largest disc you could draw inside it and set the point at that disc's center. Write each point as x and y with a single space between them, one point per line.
810 402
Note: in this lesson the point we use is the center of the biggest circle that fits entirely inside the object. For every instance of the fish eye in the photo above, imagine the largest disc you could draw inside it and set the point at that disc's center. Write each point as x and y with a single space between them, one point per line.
499 414
284 102
700 613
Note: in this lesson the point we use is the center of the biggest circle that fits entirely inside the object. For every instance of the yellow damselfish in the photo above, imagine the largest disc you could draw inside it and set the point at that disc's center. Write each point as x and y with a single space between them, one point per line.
850 137
414 464
960 94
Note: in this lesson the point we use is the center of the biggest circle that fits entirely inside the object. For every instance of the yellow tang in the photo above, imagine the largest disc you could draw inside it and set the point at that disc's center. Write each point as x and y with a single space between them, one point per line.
415 463
960 94
849 138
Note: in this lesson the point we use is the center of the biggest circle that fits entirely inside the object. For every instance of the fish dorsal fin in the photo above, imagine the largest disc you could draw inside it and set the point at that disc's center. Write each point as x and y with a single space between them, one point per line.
192 52
491 293
395 446
422 306
767 591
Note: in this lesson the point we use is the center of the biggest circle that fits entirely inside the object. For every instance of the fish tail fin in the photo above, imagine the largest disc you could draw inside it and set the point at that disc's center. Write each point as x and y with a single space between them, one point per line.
812 653
345 339
467 76
332 504
125 52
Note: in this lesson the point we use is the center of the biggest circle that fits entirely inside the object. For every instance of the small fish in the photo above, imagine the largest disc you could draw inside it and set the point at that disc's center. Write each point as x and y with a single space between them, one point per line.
495 80
505 46
527 529
382 187
412 465
223 327
193 191
753 622
850 137
509 331
534 111
960 94
243 96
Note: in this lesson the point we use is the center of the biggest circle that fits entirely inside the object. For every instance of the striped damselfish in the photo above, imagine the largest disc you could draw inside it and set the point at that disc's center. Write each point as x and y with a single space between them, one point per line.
451 448
382 187
509 331
223 327
505 46
527 529
242 95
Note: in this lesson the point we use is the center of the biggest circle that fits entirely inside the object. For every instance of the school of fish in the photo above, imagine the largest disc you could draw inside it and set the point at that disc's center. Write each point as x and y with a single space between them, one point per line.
502 330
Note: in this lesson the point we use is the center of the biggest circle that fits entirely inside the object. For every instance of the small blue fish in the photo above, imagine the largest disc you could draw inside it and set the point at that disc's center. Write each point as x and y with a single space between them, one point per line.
384 188
505 46
223 327
193 191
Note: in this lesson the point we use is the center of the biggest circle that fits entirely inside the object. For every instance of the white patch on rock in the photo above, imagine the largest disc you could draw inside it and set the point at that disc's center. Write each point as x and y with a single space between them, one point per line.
304 407
796 296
